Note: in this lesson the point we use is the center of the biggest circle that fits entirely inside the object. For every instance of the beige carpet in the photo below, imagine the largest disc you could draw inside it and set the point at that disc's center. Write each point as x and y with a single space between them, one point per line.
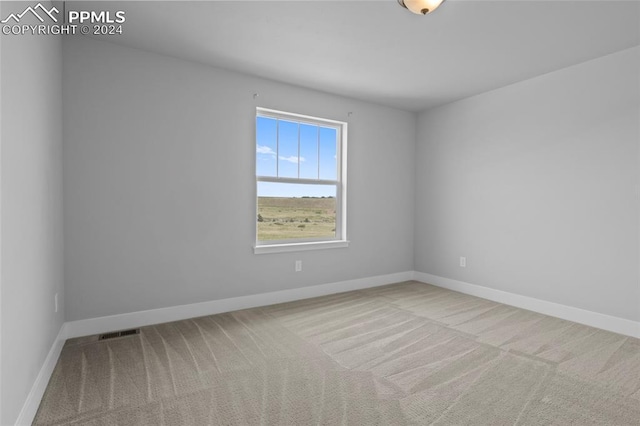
407 353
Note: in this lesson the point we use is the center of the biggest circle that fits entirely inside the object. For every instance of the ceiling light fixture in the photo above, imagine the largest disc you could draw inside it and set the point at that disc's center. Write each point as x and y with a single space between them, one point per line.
421 7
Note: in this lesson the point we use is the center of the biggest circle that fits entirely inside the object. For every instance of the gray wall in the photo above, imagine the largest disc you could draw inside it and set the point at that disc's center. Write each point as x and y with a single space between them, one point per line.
31 199
537 185
159 184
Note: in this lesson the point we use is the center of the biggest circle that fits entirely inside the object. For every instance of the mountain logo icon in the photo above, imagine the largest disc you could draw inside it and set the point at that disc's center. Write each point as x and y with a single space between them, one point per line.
34 11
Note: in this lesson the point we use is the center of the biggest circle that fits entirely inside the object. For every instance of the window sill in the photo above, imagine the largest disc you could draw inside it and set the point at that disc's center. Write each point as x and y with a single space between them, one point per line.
291 247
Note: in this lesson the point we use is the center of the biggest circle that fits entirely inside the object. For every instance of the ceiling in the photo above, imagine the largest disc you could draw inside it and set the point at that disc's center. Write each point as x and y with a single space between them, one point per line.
376 50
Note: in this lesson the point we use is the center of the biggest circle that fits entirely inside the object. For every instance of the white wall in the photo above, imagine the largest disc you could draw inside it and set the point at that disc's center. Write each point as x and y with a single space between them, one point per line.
31 199
159 184
537 185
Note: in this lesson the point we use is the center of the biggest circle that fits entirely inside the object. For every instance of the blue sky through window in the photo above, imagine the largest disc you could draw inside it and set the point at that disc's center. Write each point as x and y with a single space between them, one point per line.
288 149
328 159
295 150
309 151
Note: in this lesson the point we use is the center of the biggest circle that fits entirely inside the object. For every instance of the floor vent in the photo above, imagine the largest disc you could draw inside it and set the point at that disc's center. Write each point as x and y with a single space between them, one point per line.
119 334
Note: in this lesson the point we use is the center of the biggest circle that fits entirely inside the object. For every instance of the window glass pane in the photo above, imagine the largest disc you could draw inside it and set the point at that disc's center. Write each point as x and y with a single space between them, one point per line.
328 157
287 149
308 151
266 137
288 211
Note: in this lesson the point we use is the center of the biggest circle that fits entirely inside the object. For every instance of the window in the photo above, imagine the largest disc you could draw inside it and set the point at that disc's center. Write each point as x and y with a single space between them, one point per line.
300 182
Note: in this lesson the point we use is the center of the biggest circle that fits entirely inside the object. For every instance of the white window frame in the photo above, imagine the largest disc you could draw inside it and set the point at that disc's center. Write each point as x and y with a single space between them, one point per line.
299 244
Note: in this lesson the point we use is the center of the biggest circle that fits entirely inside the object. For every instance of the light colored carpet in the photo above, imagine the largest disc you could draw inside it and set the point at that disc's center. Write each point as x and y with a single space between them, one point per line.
407 353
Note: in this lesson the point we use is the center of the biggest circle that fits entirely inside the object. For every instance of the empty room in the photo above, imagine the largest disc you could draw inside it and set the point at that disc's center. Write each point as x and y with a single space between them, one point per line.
363 212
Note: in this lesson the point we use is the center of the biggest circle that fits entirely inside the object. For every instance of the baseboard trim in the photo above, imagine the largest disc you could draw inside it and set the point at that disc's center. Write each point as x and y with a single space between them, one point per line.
155 316
31 404
570 313
98 325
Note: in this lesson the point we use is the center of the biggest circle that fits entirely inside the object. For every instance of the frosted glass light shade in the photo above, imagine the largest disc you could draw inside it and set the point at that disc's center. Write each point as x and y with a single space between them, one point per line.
421 7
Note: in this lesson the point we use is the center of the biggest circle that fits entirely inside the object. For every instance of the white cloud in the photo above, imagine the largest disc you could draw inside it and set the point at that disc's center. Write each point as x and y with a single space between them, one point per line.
292 159
266 150
262 149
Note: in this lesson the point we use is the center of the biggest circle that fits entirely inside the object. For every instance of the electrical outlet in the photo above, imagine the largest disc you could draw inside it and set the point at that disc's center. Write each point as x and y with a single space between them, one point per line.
463 262
298 265
55 302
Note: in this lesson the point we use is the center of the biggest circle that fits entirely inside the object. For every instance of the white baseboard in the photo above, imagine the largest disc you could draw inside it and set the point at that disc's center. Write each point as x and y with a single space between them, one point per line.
174 313
30 407
155 316
570 313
